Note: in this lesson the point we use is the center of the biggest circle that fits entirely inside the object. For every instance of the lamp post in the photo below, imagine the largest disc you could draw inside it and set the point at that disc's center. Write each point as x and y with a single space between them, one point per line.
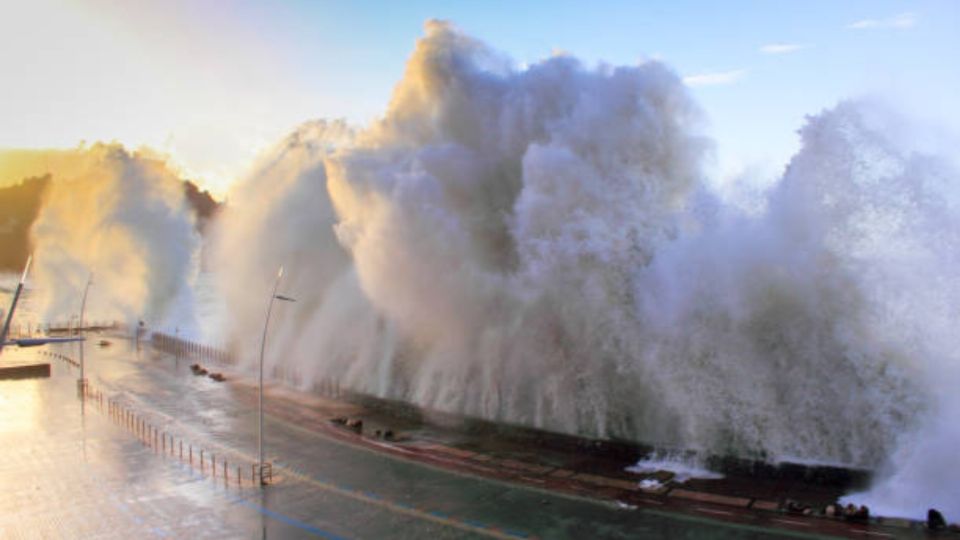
263 345
82 381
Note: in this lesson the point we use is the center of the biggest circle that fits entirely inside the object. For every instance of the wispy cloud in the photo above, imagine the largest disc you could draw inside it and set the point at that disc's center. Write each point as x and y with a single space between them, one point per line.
715 78
782 48
901 21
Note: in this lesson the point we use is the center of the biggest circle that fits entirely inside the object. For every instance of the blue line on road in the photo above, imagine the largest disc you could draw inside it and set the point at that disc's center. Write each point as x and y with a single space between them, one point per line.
270 513
289 520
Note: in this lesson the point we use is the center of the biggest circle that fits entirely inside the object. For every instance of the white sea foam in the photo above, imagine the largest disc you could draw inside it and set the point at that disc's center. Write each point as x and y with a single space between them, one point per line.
683 465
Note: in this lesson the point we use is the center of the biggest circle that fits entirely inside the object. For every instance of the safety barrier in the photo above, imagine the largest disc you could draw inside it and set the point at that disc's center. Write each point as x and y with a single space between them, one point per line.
29 329
59 356
223 467
74 328
190 349
200 352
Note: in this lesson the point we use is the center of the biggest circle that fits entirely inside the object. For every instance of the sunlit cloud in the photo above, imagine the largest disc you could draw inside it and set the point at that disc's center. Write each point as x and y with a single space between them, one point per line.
782 48
716 78
901 21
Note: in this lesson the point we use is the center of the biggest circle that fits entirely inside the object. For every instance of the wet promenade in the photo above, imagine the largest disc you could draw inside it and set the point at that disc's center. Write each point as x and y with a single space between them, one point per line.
77 469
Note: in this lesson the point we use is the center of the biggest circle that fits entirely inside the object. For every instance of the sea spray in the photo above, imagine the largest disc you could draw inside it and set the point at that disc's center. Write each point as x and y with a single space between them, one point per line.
120 216
538 246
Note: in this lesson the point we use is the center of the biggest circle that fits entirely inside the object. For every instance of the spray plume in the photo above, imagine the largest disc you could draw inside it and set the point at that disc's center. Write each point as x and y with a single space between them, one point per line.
537 246
122 217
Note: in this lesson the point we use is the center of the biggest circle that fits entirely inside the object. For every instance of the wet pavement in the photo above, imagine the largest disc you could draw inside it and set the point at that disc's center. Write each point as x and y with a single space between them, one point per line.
84 470
66 472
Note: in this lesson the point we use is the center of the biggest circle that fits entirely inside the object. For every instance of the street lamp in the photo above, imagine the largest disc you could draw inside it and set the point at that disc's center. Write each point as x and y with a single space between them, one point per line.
263 344
82 381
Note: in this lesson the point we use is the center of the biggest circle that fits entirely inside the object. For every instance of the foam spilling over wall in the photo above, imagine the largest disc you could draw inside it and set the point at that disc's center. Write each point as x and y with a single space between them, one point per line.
539 246
122 217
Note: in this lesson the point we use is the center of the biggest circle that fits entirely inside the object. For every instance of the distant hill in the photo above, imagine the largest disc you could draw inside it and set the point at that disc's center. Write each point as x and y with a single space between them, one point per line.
20 203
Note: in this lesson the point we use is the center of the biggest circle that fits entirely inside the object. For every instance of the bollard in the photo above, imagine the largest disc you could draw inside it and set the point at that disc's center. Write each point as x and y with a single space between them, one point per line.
213 465
239 477
164 442
191 455
181 448
201 460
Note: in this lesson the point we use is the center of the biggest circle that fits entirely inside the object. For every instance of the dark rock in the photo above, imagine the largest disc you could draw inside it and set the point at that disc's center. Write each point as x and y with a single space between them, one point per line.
859 515
792 507
935 520
663 476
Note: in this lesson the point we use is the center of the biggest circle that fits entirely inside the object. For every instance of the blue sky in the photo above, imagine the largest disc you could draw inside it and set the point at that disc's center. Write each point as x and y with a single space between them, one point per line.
210 83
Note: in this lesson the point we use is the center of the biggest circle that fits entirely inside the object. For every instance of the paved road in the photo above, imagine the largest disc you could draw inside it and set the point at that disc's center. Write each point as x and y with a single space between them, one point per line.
81 475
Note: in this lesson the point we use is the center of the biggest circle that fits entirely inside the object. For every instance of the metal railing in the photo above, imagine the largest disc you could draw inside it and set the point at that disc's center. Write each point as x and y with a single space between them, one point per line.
200 352
190 349
224 465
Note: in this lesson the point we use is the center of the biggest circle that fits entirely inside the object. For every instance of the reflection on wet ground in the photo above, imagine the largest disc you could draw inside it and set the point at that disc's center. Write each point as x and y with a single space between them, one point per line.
71 471
66 472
